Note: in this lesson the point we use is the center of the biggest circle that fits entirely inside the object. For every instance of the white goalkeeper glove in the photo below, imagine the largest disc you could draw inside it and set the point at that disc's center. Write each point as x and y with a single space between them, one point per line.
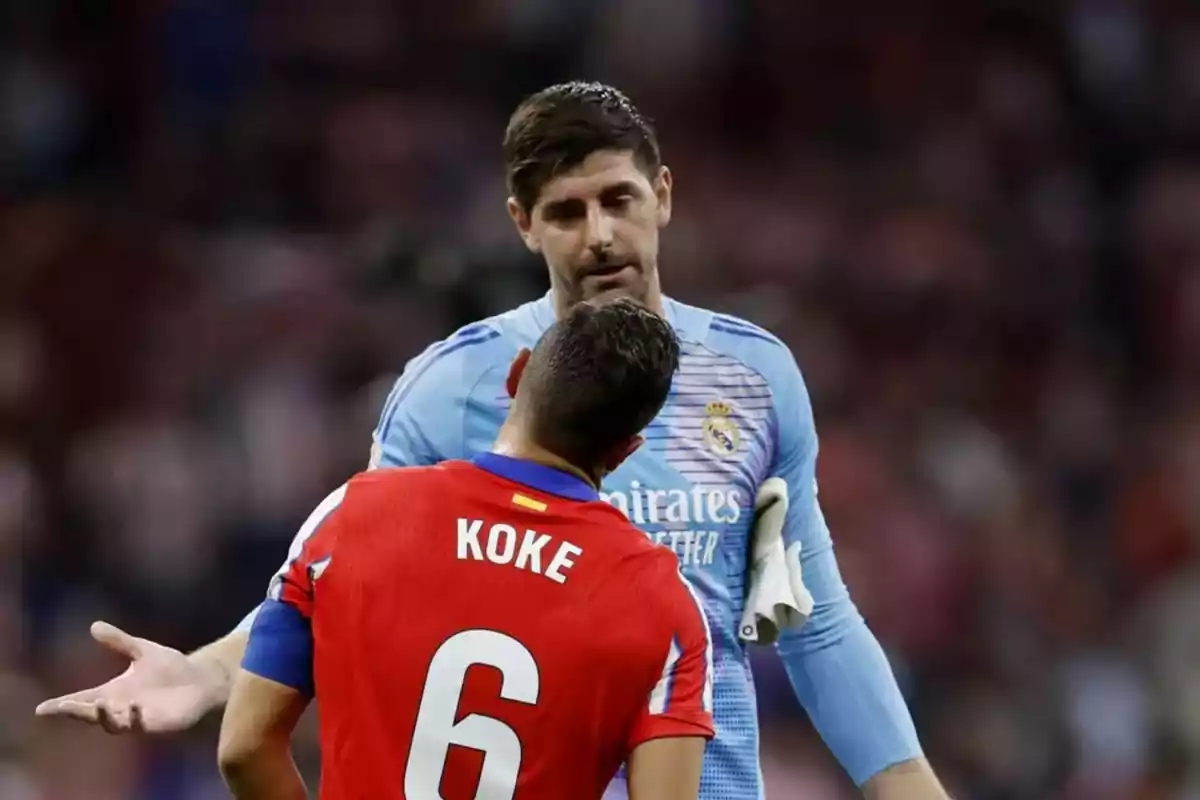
777 597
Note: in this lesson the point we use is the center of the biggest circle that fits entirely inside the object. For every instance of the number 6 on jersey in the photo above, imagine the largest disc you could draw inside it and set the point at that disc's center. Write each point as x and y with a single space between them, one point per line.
436 730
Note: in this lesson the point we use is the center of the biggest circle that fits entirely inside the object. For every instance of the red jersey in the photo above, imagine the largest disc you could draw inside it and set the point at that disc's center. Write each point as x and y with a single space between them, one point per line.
490 630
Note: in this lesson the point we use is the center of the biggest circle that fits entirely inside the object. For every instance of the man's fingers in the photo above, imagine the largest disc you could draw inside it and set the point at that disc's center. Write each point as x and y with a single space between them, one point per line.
68 703
115 719
117 640
104 717
85 710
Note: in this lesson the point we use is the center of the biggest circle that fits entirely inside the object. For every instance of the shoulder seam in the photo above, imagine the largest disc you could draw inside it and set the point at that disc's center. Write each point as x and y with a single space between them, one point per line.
324 513
738 327
433 354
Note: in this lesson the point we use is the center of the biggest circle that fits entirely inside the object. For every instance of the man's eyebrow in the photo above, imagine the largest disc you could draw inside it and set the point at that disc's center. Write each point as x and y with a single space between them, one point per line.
554 207
621 187
565 204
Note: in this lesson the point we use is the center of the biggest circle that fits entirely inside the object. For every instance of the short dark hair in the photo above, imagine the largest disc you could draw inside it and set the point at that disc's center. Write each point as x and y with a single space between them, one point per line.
557 128
597 378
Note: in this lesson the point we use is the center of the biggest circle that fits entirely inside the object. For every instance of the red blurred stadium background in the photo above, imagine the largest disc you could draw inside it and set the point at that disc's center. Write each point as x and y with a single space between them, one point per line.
226 225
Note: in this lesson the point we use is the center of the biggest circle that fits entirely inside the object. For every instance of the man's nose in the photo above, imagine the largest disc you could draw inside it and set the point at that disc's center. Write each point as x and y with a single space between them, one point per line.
599 229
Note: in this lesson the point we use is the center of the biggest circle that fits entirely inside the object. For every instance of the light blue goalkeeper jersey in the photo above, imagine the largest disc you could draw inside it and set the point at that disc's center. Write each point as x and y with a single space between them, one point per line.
737 414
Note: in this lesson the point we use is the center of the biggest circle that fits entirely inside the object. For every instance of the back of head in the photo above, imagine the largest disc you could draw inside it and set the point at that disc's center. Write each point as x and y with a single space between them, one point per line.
557 128
596 379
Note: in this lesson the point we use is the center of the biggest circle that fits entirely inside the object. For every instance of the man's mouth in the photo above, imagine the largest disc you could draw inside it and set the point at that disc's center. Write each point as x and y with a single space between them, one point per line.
614 269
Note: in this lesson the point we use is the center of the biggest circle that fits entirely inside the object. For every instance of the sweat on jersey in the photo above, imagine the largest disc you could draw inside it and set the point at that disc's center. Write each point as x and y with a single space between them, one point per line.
738 413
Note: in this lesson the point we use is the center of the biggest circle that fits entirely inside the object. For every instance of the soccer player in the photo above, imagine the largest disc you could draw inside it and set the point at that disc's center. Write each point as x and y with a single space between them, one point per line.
590 194
562 642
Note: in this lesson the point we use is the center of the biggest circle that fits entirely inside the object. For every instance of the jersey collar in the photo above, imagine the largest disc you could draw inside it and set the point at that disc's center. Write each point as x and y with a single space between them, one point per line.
543 312
537 476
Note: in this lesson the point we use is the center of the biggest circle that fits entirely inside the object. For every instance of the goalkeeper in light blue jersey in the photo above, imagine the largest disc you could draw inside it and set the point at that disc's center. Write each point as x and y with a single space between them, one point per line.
590 194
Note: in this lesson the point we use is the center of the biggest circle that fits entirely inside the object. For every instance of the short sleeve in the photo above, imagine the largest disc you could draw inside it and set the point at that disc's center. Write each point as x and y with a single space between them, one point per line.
280 646
309 555
681 701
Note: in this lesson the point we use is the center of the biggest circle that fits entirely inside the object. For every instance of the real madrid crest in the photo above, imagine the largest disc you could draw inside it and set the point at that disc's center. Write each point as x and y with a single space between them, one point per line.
721 433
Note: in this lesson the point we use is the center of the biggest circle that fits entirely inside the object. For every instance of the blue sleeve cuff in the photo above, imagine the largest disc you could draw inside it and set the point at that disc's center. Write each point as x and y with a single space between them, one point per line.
281 647
853 700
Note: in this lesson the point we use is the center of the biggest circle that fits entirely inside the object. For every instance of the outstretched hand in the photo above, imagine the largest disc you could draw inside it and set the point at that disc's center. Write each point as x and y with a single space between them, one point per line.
161 691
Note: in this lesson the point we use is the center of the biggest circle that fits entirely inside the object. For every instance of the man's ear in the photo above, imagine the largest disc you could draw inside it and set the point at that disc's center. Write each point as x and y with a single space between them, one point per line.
524 222
516 371
662 190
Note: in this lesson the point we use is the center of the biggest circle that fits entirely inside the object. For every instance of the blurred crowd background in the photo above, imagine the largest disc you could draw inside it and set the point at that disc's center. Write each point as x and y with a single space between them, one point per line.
225 226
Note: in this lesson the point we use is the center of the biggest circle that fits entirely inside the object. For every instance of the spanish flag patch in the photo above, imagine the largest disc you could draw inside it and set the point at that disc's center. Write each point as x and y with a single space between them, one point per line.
528 502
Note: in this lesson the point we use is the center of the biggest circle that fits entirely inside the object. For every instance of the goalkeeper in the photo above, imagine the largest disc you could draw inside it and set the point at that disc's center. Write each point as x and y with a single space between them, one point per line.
589 194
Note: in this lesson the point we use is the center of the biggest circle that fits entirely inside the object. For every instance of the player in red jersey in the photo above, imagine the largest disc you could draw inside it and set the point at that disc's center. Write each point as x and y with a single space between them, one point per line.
491 630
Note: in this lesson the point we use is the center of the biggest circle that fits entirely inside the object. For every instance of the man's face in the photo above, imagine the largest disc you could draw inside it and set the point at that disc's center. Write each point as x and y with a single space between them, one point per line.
597 227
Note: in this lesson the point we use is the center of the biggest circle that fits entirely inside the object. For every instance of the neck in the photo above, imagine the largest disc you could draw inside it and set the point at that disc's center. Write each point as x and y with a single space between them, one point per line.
513 443
653 300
